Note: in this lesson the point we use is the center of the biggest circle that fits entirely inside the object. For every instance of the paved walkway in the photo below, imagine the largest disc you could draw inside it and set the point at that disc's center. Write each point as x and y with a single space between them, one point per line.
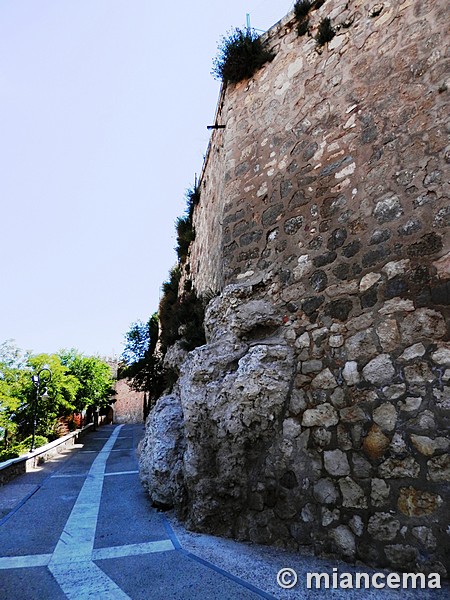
82 527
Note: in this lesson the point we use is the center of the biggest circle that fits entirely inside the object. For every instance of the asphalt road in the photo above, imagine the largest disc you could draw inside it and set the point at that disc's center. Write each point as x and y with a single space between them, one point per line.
81 526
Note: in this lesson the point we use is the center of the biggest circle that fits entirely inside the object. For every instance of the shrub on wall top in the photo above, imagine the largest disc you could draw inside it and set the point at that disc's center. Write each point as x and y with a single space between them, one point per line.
239 56
302 8
325 32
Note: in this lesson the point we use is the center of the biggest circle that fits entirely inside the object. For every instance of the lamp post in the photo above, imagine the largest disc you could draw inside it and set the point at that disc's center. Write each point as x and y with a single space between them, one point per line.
36 379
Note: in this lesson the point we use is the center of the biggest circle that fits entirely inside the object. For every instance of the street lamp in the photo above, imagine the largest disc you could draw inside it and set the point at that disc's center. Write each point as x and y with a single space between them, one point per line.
36 379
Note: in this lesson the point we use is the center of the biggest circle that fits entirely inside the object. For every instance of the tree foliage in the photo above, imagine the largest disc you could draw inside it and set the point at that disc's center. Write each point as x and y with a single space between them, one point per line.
94 377
142 362
12 384
76 383
60 398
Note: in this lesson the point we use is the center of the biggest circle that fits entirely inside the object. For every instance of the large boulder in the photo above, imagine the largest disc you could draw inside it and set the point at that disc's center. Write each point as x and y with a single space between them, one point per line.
161 453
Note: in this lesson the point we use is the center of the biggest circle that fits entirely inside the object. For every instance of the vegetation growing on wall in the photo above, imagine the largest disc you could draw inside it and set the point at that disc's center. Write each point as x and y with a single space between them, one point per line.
302 9
325 32
239 56
185 226
180 317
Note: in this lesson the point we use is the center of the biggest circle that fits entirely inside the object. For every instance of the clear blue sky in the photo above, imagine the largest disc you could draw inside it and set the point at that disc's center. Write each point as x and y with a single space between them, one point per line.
103 113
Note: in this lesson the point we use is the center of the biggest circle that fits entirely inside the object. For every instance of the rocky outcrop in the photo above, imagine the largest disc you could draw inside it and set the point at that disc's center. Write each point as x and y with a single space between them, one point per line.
265 440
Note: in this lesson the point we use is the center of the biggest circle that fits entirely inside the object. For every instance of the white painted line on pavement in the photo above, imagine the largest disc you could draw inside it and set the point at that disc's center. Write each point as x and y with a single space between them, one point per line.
102 451
65 475
86 581
71 563
132 550
121 473
21 562
77 538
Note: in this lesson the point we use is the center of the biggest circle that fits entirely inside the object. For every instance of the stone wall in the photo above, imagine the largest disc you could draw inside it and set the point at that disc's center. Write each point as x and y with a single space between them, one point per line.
334 160
317 413
14 467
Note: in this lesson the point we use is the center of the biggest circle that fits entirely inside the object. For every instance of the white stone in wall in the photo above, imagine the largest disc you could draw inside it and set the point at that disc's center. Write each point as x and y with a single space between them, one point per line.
303 341
414 351
396 305
336 463
428 446
394 268
344 540
356 525
379 370
368 281
303 267
385 416
324 415
410 404
352 494
325 380
350 373
388 334
442 356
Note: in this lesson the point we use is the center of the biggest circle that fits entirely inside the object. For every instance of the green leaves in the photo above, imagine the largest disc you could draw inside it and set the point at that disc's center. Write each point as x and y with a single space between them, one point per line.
76 382
94 379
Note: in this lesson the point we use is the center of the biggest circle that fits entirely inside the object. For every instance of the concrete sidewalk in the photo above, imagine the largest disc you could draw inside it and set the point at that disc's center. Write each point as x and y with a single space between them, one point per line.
81 527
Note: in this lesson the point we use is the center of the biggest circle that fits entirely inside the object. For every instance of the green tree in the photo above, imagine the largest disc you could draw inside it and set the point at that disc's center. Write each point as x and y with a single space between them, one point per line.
94 376
61 396
12 383
142 362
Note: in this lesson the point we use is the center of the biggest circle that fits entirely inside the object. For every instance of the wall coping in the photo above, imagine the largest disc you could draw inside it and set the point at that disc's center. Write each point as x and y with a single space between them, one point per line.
44 449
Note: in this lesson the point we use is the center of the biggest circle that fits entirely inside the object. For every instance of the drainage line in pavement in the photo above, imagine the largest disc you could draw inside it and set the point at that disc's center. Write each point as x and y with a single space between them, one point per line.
234 578
18 506
171 533
178 547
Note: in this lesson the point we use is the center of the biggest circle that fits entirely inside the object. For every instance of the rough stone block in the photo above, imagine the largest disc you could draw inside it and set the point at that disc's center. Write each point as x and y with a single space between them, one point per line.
396 468
352 494
379 492
383 527
336 463
322 416
375 443
417 503
385 416
379 370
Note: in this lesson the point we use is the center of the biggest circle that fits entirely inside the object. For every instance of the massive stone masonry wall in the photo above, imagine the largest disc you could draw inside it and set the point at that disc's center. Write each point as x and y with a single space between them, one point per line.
317 413
339 156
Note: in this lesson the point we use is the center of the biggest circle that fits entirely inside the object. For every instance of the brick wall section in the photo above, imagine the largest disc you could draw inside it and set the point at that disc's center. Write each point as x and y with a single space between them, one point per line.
329 191
129 404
